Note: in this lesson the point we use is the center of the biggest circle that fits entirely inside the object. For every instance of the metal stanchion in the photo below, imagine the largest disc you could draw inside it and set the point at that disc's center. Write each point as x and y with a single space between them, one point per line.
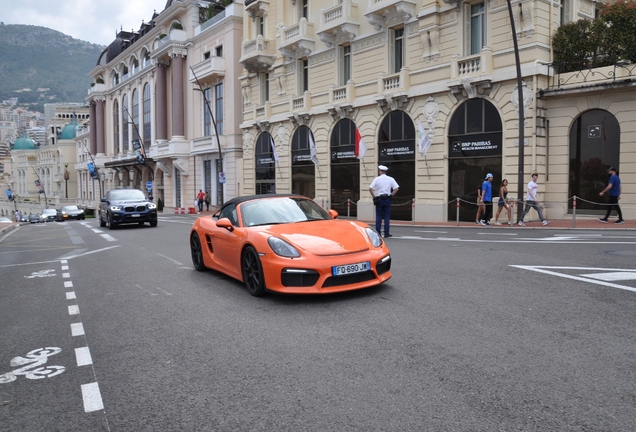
574 211
413 213
457 216
512 212
348 209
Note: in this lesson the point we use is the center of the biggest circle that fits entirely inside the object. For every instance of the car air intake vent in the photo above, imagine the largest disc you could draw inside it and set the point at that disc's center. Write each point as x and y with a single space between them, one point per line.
141 208
129 209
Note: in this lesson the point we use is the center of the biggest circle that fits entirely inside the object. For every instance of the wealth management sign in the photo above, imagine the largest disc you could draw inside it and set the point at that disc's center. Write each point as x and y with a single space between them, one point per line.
477 145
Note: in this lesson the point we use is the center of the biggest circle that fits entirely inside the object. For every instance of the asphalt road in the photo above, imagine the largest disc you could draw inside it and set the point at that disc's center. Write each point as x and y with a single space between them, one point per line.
478 330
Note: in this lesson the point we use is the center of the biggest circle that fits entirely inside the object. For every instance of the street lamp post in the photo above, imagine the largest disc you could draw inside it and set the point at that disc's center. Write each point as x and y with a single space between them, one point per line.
120 174
520 162
131 176
67 175
102 176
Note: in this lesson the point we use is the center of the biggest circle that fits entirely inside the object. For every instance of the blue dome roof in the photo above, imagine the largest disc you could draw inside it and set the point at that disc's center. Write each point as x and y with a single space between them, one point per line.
24 143
70 130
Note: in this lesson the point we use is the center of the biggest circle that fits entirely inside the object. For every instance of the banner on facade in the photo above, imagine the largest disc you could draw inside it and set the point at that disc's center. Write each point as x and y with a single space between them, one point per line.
477 145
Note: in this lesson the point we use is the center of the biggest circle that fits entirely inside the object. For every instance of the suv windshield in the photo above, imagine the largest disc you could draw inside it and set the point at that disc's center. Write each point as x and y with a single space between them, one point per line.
49 211
127 195
69 208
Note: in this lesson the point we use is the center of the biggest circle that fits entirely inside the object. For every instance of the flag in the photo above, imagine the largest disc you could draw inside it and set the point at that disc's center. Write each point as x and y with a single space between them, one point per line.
361 147
271 141
312 149
424 140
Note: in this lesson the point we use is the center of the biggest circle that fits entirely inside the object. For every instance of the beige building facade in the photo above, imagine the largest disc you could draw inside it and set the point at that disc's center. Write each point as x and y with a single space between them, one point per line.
394 70
150 121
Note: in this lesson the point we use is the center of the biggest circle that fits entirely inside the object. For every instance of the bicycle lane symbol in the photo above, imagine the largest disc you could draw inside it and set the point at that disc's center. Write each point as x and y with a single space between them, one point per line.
32 365
42 273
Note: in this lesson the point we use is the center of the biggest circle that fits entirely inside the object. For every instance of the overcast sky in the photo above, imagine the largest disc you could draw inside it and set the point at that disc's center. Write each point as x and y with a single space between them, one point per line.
95 21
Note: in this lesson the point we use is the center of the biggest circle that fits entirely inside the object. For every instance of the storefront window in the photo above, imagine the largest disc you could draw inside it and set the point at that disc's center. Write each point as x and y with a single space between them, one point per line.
303 169
265 165
345 169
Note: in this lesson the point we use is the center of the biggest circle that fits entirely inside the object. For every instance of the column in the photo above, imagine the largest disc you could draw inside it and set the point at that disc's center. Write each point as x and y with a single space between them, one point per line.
161 102
177 93
100 126
93 133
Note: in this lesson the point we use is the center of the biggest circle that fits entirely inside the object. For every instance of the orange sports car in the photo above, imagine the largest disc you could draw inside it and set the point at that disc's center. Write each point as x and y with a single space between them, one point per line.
289 244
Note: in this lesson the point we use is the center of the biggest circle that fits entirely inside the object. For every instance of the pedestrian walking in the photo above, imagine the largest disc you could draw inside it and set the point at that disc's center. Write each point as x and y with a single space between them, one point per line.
383 188
613 190
207 201
480 205
531 201
17 215
200 199
486 195
503 202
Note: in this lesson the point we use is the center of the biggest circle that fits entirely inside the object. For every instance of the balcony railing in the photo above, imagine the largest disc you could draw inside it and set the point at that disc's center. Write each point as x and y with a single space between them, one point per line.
208 68
258 54
346 93
394 83
297 41
478 64
587 75
339 23
380 13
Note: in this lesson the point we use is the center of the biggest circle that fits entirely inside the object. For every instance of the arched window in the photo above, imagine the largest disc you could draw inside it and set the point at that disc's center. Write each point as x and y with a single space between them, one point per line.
125 122
116 128
134 65
135 114
595 139
303 169
345 168
475 146
265 161
396 150
147 115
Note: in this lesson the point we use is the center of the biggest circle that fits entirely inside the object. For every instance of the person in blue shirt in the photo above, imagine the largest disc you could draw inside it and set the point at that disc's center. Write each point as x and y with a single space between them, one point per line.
613 190
486 194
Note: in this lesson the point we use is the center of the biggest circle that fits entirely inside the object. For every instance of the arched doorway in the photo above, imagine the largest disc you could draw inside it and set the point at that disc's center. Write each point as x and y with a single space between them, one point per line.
474 150
396 147
595 139
265 165
303 169
345 168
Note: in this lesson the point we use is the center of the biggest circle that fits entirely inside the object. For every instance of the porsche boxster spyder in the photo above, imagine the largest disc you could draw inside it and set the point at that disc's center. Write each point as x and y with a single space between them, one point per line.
289 244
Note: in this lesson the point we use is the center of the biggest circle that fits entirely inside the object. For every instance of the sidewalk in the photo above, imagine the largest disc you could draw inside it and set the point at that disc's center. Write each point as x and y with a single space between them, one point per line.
582 222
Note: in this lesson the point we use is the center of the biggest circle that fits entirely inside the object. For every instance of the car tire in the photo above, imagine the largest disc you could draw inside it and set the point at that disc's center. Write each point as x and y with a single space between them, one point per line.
102 224
111 225
252 270
153 223
196 250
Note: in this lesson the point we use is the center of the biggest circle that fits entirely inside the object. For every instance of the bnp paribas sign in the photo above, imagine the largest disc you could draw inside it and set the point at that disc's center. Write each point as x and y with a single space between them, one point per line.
477 145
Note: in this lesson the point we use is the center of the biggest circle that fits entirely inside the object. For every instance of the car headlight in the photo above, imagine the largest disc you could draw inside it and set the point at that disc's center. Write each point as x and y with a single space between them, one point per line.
115 208
152 206
282 248
375 238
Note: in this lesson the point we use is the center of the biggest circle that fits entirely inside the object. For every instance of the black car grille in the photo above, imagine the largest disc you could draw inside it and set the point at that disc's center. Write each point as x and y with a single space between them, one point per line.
294 279
138 208
348 279
384 267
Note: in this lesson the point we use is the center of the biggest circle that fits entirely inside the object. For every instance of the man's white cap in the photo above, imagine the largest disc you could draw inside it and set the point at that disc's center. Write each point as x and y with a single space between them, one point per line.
383 168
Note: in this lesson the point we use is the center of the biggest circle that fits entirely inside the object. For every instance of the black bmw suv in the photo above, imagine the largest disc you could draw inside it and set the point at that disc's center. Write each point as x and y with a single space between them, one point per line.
126 206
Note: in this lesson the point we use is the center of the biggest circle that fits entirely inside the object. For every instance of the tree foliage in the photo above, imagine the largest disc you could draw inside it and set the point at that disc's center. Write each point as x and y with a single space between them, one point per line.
604 41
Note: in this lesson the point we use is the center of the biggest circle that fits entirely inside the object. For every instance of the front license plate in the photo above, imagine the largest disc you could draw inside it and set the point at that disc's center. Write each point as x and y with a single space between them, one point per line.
135 215
350 268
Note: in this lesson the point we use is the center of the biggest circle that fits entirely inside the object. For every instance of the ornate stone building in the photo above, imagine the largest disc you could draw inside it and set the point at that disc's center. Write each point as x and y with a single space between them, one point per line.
397 70
150 122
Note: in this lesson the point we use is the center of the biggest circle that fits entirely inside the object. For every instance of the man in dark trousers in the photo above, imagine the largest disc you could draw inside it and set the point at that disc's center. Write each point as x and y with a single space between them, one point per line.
382 189
613 190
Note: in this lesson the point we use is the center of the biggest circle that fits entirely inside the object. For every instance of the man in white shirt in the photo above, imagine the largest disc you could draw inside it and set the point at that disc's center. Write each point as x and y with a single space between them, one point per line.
382 189
531 201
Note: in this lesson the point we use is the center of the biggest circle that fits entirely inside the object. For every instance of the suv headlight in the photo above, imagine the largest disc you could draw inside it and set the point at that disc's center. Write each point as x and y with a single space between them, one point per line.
282 248
152 206
115 208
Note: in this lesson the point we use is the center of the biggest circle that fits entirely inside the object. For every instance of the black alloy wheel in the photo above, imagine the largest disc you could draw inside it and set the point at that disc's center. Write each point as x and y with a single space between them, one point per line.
102 224
253 272
197 252
153 223
111 225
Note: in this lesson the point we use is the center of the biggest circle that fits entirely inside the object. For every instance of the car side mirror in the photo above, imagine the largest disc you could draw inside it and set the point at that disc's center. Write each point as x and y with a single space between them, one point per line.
103 200
225 223
333 213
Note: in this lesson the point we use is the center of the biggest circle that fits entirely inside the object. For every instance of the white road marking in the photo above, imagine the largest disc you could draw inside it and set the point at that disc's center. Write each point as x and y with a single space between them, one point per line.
544 269
168 258
435 232
70 295
165 292
149 292
64 267
63 262
68 284
92 397
42 273
612 276
494 233
66 275
108 237
91 252
77 329
83 356
73 310
97 230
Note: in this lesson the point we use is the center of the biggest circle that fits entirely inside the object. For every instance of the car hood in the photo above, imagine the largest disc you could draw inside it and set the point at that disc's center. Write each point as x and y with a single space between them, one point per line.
329 237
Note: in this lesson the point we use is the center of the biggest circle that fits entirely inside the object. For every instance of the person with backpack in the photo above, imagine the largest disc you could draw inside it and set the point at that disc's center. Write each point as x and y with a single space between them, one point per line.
200 199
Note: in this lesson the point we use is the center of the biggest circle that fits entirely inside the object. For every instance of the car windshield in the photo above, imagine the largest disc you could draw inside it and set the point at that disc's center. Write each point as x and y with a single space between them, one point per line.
69 208
49 211
127 195
281 210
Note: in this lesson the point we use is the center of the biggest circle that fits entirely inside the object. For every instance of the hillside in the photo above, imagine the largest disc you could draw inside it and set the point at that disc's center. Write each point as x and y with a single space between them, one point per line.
33 57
